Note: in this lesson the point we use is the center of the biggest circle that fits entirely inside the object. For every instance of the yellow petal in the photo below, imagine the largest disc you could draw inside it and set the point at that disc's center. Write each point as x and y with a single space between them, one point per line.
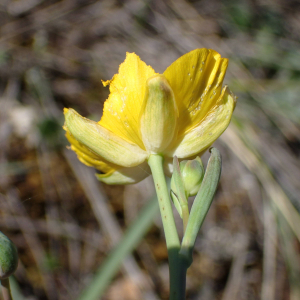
211 127
196 79
88 157
158 121
127 90
126 175
103 142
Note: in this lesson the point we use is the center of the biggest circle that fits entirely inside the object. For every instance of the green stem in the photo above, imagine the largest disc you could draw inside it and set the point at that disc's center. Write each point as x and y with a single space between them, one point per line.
177 268
5 287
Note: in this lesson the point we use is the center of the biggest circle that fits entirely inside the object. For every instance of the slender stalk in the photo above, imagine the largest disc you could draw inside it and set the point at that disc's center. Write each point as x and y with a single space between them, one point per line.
177 268
185 216
181 195
5 287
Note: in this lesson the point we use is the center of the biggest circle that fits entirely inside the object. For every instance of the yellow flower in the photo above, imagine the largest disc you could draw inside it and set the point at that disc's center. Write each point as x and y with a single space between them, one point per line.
180 112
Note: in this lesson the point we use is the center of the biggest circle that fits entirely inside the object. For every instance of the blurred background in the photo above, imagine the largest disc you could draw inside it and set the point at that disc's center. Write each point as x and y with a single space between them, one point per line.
53 54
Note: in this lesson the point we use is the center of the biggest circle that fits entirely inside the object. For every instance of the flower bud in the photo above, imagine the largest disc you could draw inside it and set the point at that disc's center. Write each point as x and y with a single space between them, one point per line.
8 257
192 173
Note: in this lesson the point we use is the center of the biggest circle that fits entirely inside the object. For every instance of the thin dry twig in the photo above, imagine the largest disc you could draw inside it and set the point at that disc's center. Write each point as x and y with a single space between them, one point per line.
235 276
270 252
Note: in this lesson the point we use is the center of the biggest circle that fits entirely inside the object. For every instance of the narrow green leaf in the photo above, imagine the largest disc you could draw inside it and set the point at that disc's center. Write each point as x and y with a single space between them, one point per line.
202 203
132 237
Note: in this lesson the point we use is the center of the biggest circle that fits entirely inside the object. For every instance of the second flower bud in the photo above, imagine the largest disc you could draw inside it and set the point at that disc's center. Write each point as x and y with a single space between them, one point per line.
192 172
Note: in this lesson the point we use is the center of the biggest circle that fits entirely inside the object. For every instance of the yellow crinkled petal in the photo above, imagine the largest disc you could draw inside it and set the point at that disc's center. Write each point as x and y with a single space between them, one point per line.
101 166
126 175
196 79
104 143
127 89
211 127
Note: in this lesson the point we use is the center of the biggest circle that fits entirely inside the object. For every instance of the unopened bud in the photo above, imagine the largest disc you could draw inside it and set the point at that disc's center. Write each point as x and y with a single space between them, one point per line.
192 173
8 257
